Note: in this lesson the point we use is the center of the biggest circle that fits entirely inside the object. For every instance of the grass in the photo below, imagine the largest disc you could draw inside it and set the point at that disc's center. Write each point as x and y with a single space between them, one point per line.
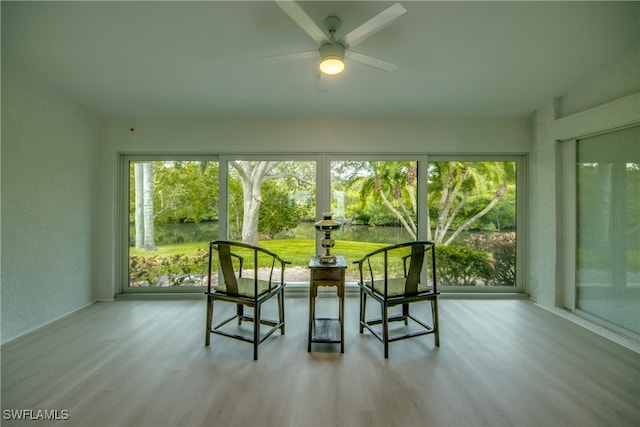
297 251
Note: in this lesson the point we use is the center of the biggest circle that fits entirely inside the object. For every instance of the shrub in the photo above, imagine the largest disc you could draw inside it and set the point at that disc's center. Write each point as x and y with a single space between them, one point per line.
502 248
462 266
176 269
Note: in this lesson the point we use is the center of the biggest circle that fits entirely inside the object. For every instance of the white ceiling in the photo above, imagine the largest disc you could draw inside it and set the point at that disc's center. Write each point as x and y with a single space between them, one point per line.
202 59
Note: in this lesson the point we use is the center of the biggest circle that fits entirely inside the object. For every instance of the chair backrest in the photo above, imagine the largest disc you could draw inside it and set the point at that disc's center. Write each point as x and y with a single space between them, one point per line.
230 263
394 267
226 265
415 267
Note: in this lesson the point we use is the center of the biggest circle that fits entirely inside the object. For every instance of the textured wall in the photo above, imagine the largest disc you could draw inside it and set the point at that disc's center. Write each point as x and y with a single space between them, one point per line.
48 186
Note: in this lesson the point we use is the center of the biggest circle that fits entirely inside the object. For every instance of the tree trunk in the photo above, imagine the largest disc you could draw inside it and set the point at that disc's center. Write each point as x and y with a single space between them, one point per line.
496 198
252 202
252 175
139 206
149 237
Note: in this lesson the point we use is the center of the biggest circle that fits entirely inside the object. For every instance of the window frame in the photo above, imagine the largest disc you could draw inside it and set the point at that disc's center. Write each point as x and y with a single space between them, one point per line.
323 197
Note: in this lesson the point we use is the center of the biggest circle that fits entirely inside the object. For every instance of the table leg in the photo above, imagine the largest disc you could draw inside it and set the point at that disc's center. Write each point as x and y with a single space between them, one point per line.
312 314
341 298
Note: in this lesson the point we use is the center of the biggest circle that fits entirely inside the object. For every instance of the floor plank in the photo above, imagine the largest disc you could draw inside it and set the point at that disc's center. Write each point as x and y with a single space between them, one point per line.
143 363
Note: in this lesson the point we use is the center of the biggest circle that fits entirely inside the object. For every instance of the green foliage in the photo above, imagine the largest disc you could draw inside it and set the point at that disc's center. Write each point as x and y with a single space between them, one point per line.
462 266
176 233
175 269
278 211
462 194
502 247
378 192
377 214
184 191
501 216
287 197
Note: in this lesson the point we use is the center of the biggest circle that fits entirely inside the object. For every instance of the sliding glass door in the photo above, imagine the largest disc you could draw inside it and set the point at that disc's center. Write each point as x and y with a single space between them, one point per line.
608 228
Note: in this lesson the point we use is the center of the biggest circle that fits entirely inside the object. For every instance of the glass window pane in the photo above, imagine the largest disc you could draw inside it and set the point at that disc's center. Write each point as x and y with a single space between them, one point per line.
608 227
272 204
377 202
472 220
173 214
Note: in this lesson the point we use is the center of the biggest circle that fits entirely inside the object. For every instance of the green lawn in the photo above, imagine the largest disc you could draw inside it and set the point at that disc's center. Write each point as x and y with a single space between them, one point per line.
297 251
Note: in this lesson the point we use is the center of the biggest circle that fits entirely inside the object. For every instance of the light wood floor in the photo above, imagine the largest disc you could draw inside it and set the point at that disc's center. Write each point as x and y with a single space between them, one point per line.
143 363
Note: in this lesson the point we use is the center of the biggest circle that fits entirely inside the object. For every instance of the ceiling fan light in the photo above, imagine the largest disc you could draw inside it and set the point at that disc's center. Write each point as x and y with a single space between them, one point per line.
331 65
332 58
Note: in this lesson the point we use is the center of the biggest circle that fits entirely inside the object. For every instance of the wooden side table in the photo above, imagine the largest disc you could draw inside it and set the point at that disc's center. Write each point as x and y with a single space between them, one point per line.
326 330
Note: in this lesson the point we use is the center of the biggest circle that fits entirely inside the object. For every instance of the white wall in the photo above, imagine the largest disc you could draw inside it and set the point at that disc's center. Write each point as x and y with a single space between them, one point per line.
588 109
220 136
48 187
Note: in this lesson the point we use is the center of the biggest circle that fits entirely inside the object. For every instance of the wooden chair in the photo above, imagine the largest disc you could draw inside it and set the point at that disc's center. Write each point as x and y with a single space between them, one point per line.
250 287
392 276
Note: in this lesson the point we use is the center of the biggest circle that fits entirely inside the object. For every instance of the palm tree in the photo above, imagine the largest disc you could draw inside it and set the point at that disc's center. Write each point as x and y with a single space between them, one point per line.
394 184
452 183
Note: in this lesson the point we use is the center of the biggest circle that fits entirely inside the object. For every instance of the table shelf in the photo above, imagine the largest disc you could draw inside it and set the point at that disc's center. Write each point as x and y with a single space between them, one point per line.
323 329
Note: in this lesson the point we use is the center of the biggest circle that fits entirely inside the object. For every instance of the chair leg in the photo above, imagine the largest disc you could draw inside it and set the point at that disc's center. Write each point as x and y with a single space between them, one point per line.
207 338
434 312
240 312
281 310
385 329
256 330
405 313
363 306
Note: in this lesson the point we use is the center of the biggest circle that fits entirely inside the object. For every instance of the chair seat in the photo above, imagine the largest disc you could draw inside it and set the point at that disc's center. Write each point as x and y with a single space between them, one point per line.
246 287
395 287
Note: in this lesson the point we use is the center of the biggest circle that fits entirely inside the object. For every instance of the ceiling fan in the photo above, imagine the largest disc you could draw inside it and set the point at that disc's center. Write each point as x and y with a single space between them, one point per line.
333 52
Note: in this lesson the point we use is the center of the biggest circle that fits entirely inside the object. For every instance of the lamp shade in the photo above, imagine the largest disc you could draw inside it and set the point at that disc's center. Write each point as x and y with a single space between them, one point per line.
332 58
331 65
327 224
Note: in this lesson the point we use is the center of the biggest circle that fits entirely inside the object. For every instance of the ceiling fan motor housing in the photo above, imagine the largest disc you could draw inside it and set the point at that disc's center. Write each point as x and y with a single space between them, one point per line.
332 49
332 23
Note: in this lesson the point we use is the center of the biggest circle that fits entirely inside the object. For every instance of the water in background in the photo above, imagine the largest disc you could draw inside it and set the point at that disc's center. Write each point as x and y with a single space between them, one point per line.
171 234
206 231
357 233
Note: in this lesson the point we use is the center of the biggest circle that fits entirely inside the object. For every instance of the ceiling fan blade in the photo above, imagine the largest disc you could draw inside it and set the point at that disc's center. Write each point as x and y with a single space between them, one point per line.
371 61
301 18
374 24
311 54
323 83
